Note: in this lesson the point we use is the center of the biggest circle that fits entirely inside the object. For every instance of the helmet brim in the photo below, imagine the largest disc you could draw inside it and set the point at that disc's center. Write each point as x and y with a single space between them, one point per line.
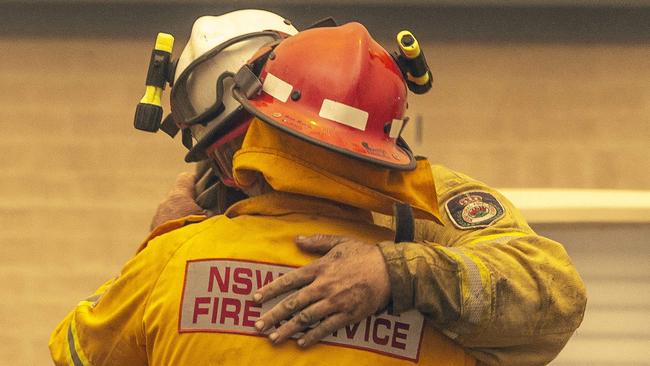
320 131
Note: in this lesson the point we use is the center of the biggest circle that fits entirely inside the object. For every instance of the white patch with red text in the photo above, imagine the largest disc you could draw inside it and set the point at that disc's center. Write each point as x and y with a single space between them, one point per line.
217 298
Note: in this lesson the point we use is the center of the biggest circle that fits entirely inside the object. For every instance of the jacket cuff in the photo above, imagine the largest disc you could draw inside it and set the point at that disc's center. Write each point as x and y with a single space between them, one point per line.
401 280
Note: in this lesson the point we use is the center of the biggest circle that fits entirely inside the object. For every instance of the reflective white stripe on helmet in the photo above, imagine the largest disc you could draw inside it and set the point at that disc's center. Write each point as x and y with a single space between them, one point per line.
277 88
396 128
344 114
498 238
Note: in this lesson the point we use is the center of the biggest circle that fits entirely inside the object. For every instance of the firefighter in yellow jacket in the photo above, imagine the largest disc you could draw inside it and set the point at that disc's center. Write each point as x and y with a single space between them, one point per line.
319 156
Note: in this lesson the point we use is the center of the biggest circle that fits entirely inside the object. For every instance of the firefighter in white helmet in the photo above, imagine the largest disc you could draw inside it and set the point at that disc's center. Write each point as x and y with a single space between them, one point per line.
316 134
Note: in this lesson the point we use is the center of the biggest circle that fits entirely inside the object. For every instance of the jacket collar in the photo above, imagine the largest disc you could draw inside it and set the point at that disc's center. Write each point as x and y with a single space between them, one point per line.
291 165
283 203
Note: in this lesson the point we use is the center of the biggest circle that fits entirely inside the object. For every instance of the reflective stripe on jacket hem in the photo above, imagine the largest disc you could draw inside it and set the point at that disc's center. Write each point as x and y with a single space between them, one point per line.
76 354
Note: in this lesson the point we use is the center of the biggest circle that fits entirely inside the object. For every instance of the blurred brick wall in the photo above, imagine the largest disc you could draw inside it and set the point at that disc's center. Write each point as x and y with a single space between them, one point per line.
78 185
526 115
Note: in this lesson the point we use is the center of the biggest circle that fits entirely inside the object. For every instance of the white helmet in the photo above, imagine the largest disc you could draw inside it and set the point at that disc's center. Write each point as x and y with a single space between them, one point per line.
201 97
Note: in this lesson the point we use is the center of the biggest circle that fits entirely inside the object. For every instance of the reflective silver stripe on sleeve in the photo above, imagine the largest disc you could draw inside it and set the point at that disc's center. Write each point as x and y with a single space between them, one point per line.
500 239
475 305
449 333
73 350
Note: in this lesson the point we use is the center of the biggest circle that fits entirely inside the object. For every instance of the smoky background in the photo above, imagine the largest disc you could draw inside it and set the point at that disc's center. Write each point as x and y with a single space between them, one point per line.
547 98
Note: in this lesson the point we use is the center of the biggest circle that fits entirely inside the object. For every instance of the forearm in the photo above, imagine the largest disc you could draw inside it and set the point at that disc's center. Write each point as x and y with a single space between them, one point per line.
512 302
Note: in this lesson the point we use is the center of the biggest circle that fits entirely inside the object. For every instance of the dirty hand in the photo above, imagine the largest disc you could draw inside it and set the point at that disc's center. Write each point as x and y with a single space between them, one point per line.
179 201
346 285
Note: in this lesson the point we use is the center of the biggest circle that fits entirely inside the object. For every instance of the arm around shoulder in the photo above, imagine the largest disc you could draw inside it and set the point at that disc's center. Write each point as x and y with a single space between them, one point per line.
509 296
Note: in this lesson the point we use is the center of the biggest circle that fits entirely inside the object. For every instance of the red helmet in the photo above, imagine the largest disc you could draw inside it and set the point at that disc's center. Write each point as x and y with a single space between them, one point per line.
335 87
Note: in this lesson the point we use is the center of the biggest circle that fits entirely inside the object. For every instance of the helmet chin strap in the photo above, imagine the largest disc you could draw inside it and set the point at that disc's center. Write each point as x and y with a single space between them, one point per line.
211 194
404 222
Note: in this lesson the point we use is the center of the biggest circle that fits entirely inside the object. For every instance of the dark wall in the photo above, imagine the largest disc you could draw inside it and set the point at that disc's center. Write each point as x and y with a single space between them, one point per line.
436 23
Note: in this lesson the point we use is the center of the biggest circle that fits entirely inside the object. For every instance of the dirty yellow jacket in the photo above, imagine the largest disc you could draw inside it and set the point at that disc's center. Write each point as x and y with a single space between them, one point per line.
478 271
485 278
185 298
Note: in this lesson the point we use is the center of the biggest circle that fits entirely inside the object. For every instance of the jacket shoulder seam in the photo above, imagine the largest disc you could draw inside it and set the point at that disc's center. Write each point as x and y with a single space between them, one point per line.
160 272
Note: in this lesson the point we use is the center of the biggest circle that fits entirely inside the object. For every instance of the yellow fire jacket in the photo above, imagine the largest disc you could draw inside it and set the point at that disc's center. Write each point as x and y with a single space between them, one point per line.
481 274
185 298
482 277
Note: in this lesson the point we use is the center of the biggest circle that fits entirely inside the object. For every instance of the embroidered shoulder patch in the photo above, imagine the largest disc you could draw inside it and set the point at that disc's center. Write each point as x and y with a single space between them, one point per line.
471 210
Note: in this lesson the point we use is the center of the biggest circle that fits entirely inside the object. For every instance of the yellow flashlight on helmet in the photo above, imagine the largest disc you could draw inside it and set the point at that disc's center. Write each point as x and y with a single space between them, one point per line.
148 113
413 63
